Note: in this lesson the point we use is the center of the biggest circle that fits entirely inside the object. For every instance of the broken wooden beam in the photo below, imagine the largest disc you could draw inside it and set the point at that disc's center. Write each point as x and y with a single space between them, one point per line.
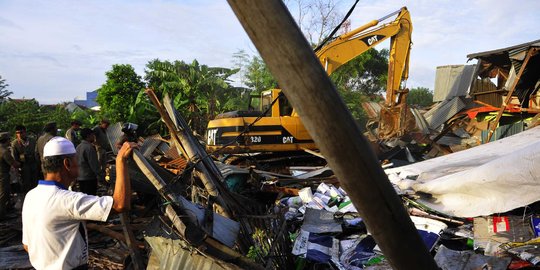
186 222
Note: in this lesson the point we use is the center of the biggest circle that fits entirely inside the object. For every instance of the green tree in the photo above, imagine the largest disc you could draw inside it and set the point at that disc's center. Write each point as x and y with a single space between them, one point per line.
420 96
88 117
59 114
21 112
4 93
119 92
198 91
258 76
30 114
367 73
146 116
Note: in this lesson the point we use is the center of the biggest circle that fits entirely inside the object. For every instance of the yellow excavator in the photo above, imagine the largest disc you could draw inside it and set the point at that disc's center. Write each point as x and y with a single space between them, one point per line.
276 126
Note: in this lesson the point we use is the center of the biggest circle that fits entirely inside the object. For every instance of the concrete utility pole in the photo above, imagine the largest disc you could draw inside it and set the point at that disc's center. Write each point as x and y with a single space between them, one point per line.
293 63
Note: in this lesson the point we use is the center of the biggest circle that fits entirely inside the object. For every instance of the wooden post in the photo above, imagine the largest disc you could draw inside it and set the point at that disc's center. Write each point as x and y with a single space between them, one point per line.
297 70
183 142
509 95
134 252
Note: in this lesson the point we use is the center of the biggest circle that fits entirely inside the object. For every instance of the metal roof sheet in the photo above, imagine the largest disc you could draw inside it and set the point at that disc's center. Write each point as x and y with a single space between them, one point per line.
512 49
452 81
439 114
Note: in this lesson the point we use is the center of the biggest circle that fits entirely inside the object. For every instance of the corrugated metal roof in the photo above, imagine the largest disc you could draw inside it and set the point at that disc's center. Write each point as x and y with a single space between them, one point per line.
452 81
449 140
150 144
421 122
439 114
114 132
174 254
169 151
504 131
482 85
515 48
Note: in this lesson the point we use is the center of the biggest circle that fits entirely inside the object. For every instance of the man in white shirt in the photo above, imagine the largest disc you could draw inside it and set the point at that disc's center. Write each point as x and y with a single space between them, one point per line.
54 230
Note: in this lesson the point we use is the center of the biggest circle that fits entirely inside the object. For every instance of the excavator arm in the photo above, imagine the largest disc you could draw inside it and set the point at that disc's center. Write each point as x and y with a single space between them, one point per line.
395 118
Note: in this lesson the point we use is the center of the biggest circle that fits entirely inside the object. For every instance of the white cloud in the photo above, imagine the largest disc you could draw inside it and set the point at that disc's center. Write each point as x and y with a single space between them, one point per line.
57 49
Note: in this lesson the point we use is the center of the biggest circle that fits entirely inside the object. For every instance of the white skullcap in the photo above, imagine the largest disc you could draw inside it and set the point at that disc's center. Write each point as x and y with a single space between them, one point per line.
58 146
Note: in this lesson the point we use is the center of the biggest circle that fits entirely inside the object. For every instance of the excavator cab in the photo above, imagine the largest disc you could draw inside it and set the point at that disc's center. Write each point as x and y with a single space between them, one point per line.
269 125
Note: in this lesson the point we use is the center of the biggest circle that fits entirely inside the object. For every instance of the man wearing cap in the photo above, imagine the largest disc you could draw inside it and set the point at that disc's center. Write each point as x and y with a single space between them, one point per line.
23 150
72 133
89 168
6 162
54 231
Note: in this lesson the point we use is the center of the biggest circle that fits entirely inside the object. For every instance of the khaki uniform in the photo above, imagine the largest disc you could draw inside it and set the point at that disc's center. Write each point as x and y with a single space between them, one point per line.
24 152
6 161
102 146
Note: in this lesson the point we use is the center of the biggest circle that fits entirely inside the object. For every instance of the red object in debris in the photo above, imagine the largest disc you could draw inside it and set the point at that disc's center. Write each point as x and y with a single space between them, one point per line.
518 264
501 224
474 111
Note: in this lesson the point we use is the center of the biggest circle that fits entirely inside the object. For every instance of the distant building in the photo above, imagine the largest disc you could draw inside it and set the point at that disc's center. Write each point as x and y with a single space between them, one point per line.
90 101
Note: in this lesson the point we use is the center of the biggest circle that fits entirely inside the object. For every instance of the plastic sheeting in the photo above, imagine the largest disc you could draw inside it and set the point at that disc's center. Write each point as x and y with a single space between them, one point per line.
491 178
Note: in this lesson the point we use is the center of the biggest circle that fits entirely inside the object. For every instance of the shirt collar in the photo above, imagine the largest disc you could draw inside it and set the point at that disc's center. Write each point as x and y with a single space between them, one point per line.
51 183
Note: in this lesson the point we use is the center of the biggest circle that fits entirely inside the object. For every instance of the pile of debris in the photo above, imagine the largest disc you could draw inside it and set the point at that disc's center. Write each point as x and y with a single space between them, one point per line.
461 205
474 104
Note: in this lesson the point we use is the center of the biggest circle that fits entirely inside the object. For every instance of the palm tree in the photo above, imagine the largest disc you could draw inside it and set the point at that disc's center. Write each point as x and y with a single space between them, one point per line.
195 89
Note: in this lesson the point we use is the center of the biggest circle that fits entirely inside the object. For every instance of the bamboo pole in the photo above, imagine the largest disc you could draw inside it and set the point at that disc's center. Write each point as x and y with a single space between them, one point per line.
189 150
296 68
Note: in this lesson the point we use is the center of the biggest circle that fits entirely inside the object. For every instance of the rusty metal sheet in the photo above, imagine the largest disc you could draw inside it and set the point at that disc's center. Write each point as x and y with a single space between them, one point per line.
372 109
169 151
453 81
485 92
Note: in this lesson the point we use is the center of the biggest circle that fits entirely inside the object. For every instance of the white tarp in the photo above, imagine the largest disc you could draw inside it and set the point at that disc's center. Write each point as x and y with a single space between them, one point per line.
490 178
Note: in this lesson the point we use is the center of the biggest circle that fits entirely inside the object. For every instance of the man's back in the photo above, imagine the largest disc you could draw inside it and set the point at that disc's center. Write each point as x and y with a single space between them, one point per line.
60 243
89 166
71 134
40 144
5 160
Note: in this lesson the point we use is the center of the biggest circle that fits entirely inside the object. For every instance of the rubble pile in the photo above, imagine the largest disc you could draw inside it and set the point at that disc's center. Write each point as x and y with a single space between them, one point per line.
473 104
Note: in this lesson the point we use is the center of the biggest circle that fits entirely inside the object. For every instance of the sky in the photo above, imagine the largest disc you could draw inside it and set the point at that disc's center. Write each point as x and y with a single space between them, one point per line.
57 50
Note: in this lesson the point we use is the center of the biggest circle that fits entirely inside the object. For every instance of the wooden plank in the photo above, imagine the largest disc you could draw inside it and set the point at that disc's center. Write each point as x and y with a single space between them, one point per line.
509 95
